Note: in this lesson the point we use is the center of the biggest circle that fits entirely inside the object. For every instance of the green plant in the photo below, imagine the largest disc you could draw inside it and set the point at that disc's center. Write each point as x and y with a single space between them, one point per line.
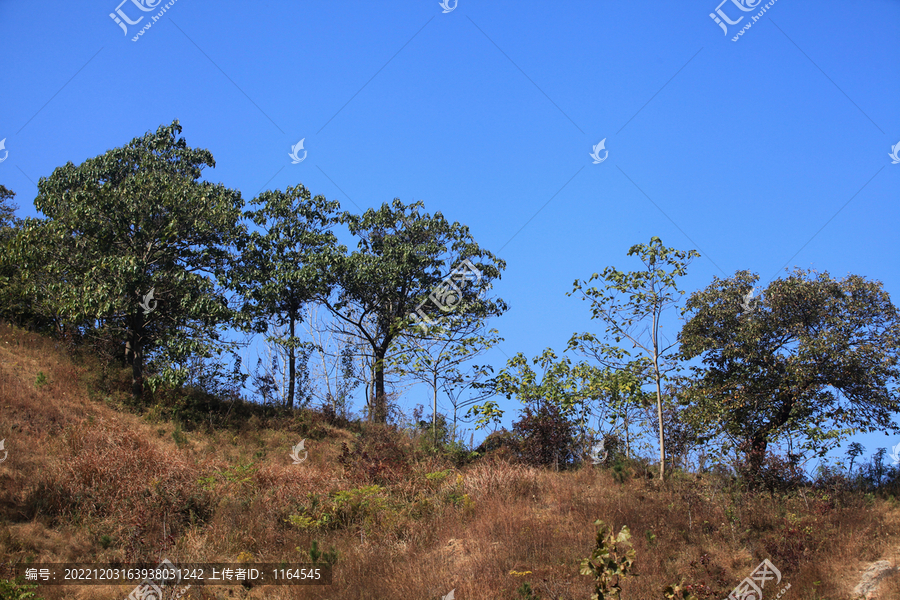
620 472
41 379
105 541
437 476
525 592
16 590
329 558
178 436
610 562
651 538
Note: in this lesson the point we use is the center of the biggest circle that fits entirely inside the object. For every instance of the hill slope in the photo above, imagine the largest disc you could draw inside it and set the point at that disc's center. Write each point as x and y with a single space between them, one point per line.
89 479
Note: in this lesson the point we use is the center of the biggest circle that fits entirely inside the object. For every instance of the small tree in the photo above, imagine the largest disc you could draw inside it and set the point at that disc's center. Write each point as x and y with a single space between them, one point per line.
282 267
435 357
648 294
402 261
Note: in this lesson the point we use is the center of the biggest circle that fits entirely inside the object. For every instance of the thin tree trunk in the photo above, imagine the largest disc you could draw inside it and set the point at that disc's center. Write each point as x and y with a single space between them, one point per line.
434 414
134 346
380 396
662 439
292 359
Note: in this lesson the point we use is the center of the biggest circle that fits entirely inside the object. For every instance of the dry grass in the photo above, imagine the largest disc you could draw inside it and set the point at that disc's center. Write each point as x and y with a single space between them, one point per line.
88 481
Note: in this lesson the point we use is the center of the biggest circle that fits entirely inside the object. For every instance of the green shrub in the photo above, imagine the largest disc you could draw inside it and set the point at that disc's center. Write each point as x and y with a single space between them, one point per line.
17 590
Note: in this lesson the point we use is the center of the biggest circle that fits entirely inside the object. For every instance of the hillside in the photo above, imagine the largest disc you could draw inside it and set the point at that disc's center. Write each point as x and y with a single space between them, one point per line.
89 478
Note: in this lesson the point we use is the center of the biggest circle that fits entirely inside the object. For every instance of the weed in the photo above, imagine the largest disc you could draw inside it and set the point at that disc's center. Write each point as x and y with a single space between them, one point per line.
525 592
16 589
610 562
328 558
41 380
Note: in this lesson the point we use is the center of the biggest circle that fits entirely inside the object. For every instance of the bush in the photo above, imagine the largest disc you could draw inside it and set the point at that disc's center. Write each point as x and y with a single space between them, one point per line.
376 457
548 437
501 445
17 590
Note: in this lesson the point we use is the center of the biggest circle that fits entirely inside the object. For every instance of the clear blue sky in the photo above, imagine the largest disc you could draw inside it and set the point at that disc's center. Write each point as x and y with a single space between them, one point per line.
764 153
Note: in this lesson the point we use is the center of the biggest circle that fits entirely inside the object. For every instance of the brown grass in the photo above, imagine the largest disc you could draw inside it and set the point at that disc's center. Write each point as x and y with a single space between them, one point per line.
86 480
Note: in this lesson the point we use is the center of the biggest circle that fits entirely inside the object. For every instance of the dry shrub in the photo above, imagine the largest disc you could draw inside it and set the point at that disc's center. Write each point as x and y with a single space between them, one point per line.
381 455
110 473
496 478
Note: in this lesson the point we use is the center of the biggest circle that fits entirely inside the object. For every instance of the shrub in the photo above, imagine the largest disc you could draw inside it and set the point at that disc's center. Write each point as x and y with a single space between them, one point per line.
548 437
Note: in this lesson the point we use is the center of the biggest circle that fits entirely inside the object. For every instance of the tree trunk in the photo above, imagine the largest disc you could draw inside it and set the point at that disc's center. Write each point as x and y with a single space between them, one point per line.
292 359
756 454
134 349
434 414
380 401
662 439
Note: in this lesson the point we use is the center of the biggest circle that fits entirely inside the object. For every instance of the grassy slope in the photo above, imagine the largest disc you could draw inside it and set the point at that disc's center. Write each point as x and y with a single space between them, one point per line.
87 480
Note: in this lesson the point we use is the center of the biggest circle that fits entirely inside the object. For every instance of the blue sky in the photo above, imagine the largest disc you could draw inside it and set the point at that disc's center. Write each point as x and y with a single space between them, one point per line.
764 153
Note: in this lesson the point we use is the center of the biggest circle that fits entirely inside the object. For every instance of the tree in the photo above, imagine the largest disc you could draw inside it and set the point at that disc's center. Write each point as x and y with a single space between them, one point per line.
648 294
7 210
282 268
136 242
434 357
404 259
334 372
563 392
814 359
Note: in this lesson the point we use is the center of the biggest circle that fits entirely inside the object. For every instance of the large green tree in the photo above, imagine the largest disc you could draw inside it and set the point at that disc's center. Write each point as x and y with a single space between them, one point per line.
136 242
404 264
628 301
815 358
283 266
